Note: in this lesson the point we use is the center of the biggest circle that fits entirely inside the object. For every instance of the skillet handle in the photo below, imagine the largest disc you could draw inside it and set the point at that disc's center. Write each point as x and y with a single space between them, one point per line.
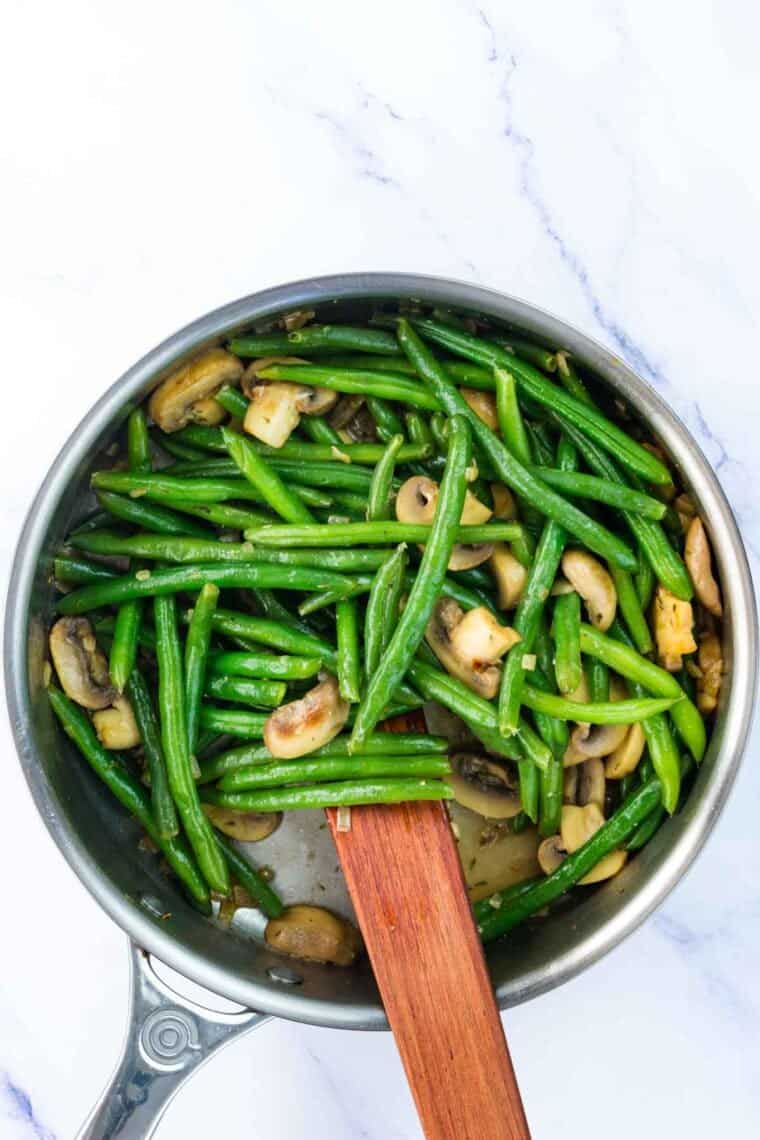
168 1038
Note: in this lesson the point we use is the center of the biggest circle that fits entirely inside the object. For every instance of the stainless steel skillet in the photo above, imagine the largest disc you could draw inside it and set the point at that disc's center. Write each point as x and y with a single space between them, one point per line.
169 1037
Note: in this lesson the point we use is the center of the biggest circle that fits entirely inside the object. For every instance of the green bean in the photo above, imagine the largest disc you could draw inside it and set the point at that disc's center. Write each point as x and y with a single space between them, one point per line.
263 665
381 615
439 429
267 900
93 521
182 452
630 607
667 565
319 431
265 479
628 782
567 639
381 487
607 712
126 789
463 371
174 737
601 490
126 633
280 774
388 422
353 502
510 471
531 606
418 428
201 437
349 662
79 571
570 380
625 660
285 636
646 829
196 653
645 583
233 722
348 792
427 585
495 921
662 751
540 442
246 691
315 338
526 350
162 803
315 464
551 786
598 677
511 423
369 533
161 582
138 441
150 517
553 732
270 606
362 382
595 425
378 744
529 783
168 488
220 514
234 402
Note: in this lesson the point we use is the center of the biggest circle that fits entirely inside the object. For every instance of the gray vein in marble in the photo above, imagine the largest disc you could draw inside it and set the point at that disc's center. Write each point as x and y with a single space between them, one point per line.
20 1109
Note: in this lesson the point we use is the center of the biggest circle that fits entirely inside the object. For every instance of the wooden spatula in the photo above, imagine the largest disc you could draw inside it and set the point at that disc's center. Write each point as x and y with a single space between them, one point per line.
406 883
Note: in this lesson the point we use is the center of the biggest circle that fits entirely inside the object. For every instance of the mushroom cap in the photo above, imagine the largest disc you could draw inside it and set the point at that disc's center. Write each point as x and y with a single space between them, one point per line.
551 853
81 666
484 786
299 727
416 500
623 759
594 584
673 628
173 404
247 826
510 575
116 726
698 563
314 934
593 740
591 784
469 653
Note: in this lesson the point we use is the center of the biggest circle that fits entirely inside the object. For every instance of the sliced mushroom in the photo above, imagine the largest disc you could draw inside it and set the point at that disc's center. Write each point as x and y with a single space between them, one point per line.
301 726
579 824
483 405
551 853
416 502
710 660
81 667
684 505
594 585
116 727
314 934
276 408
623 760
504 503
589 741
484 786
591 784
570 784
470 654
605 868
698 562
664 491
186 395
247 826
510 575
297 319
673 625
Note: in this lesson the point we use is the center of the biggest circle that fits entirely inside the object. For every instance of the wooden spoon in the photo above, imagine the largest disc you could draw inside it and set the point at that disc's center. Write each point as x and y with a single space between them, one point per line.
405 880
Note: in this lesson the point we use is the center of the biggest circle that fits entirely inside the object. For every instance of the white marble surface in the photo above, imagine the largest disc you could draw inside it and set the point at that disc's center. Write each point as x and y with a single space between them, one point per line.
596 158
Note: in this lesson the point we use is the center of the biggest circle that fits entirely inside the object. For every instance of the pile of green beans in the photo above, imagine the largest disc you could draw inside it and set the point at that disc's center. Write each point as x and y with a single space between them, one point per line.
256 574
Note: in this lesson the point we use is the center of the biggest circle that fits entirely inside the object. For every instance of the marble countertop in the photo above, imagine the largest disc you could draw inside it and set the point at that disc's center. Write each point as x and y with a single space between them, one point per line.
594 158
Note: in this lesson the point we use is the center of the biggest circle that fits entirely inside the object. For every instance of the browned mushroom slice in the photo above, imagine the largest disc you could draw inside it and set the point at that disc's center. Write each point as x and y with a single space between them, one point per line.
710 661
301 726
593 582
684 505
510 575
314 934
551 853
186 396
504 503
416 502
673 625
276 408
116 727
483 405
484 786
698 563
247 826
591 783
589 741
469 645
624 759
81 667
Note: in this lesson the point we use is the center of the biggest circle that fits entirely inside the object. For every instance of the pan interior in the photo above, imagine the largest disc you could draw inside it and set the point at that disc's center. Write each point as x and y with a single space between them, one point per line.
101 842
